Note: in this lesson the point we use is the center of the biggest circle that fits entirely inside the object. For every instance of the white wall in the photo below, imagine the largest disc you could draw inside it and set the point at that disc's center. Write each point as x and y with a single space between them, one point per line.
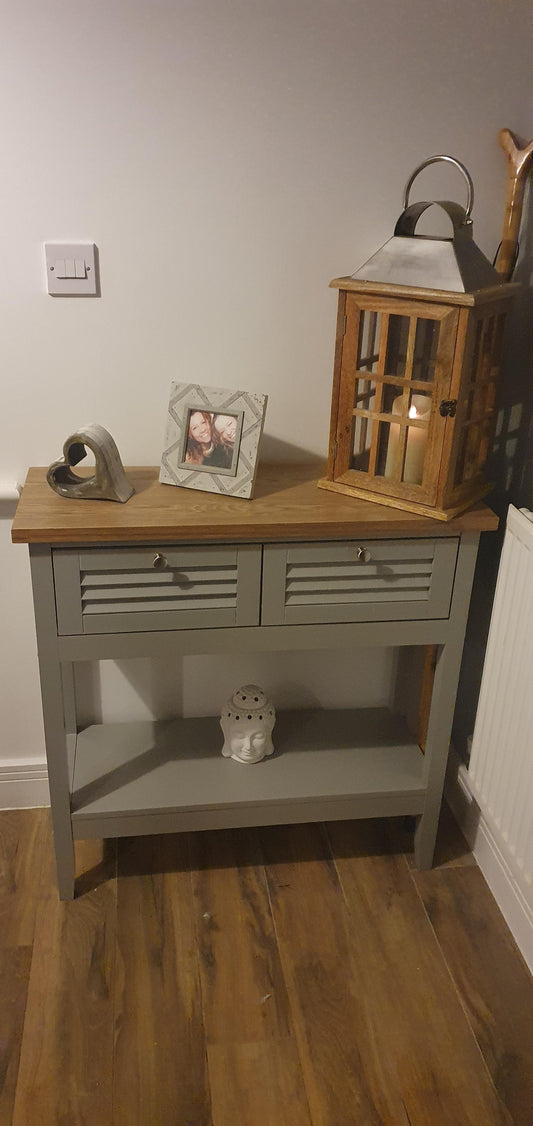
228 157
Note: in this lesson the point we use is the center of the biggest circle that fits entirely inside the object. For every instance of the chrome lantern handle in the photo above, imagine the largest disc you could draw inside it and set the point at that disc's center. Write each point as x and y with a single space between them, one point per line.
448 160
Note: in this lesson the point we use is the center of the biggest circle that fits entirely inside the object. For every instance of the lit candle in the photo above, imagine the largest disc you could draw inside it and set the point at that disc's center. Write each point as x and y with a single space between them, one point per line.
416 440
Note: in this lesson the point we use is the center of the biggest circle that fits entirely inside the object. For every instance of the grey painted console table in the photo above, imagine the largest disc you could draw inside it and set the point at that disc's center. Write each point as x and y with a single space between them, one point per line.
296 568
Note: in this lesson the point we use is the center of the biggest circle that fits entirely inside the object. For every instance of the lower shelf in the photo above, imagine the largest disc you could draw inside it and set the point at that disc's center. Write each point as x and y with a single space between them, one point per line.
134 778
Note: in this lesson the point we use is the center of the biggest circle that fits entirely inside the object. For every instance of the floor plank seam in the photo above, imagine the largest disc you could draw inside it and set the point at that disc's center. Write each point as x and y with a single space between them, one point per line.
334 862
203 1008
115 972
462 1003
294 1025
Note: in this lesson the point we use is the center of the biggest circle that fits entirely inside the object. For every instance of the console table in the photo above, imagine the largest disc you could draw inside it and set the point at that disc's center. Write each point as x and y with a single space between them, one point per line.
296 568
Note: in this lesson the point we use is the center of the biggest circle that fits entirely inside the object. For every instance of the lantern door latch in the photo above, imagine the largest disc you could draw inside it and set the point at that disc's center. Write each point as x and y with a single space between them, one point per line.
448 408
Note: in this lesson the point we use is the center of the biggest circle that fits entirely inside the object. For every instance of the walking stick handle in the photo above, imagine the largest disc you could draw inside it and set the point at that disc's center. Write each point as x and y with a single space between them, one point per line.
519 161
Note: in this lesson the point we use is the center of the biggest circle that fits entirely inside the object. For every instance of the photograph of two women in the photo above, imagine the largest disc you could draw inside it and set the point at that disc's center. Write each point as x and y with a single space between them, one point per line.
211 439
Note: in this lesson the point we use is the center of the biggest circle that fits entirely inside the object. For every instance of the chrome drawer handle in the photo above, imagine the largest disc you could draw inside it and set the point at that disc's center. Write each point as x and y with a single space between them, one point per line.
159 562
363 555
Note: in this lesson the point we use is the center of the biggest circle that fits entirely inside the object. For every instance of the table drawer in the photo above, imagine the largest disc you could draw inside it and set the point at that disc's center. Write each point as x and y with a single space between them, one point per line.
360 581
159 587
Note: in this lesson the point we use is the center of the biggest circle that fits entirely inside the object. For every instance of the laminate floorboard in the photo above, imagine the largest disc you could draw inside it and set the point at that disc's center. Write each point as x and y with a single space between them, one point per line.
24 846
66 1057
14 977
288 976
494 985
418 1049
160 1072
254 1066
312 925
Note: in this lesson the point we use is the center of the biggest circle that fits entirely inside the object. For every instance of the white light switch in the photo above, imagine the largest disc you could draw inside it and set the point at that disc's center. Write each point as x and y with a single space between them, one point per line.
71 269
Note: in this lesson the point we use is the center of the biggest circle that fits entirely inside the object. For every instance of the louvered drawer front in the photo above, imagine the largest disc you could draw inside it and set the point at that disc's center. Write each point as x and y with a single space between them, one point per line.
374 580
109 590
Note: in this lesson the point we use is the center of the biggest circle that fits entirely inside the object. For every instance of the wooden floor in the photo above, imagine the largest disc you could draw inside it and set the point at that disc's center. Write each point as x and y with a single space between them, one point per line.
274 977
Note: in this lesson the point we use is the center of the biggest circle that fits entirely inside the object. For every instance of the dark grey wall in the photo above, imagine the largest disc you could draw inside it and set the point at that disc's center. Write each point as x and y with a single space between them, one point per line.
511 470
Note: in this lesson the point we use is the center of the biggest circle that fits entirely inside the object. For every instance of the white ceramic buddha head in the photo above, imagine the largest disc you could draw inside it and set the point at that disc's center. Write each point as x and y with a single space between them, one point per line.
247 721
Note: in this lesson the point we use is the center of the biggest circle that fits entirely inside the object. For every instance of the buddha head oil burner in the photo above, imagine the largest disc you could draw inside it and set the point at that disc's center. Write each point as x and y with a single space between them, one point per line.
247 721
419 338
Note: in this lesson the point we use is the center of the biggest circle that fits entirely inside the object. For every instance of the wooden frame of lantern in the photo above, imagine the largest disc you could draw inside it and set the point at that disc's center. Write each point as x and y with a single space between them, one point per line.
413 403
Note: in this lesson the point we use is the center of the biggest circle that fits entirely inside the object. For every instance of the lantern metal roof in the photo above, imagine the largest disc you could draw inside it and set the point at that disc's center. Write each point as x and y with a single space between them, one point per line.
455 264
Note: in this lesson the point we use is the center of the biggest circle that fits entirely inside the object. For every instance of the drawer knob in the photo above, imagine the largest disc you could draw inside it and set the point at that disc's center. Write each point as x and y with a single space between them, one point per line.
363 555
159 561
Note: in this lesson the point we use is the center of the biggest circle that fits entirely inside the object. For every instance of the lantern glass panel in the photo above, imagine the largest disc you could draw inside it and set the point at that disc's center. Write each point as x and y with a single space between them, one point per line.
361 443
364 405
397 341
486 355
385 465
484 442
477 349
369 337
365 393
489 398
417 439
420 407
477 402
392 404
470 452
480 395
425 353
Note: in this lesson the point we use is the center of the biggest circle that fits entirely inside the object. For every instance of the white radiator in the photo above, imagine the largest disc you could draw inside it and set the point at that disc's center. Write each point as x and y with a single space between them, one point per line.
501 764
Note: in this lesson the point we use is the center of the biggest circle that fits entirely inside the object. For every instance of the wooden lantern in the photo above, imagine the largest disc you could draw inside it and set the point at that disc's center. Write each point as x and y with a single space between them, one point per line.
419 340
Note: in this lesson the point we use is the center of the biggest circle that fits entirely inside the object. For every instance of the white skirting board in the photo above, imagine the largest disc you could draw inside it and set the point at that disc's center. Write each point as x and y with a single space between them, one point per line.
23 784
503 885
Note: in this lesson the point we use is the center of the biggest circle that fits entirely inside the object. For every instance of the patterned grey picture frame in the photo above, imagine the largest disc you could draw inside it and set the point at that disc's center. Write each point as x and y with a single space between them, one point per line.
212 439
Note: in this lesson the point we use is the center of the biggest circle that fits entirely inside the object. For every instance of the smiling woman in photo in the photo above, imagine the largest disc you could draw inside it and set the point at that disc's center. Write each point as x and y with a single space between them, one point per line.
225 429
203 444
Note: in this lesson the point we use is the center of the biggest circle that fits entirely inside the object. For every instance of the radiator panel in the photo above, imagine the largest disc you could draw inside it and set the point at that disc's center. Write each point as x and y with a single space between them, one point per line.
501 763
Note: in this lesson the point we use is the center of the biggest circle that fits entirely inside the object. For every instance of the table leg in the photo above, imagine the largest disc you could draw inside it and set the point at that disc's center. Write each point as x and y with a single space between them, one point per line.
58 703
447 669
437 747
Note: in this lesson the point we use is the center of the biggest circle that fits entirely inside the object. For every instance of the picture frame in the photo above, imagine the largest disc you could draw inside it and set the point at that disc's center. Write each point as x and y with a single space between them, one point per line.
212 439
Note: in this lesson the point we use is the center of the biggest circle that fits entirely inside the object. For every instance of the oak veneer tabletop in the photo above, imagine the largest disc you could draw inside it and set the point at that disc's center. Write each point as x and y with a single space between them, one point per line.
287 504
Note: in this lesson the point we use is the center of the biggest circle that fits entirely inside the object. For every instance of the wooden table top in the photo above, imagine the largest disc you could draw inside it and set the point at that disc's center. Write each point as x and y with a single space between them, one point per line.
287 505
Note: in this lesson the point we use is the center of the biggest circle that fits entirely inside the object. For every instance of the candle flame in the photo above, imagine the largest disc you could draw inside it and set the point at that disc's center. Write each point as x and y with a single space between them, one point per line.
413 412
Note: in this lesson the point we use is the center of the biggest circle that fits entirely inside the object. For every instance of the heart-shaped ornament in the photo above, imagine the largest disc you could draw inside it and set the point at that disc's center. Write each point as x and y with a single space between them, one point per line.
108 482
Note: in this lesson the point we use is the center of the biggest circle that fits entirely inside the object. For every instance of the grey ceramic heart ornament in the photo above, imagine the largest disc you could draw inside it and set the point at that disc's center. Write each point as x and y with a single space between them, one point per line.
108 482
